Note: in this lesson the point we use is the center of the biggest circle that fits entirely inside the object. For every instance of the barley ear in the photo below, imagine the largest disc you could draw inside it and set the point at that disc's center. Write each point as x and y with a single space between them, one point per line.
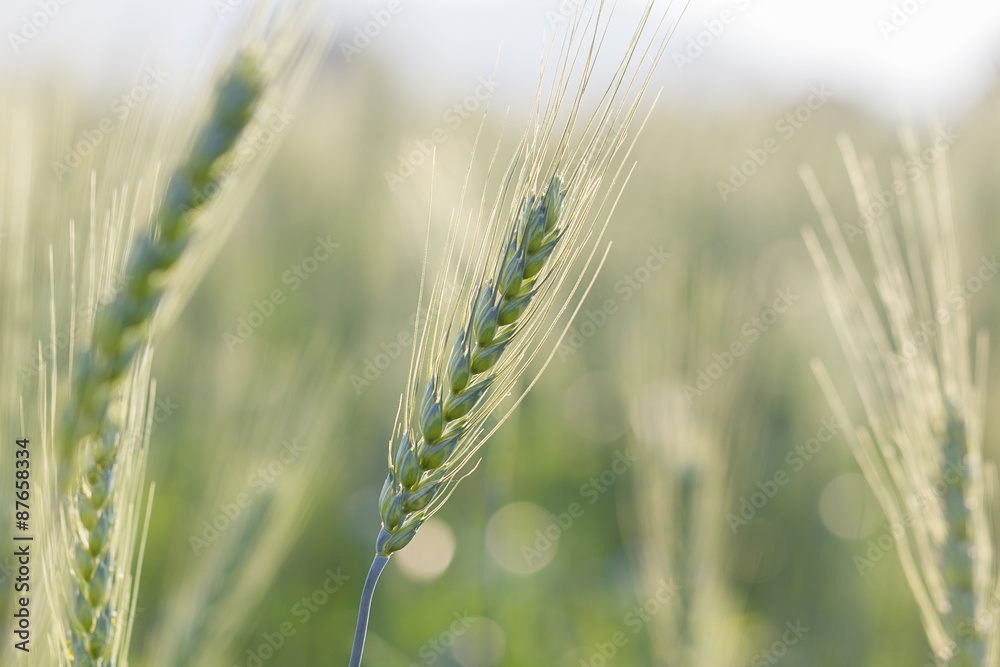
89 428
519 279
921 443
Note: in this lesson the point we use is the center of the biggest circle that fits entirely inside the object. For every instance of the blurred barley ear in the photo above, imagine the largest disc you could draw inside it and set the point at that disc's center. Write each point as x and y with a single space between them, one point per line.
96 449
519 266
695 453
87 427
920 443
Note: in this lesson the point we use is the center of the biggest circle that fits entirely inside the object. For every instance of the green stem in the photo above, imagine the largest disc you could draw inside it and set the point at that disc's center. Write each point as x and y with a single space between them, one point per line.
378 564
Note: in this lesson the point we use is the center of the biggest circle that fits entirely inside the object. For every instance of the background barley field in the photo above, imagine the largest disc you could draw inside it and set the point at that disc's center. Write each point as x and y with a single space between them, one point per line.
279 380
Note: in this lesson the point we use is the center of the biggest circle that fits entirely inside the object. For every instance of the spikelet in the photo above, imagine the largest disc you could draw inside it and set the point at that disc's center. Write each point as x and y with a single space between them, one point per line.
920 446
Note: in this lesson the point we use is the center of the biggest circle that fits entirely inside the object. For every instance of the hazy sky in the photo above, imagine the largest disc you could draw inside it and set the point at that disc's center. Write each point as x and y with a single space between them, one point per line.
892 56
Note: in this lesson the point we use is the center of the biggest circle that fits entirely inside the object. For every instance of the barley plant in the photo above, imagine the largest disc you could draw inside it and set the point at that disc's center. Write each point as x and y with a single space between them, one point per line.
920 446
144 253
695 453
510 276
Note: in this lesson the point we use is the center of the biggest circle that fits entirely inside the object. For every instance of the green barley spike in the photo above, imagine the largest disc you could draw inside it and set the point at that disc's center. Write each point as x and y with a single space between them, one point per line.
425 458
468 377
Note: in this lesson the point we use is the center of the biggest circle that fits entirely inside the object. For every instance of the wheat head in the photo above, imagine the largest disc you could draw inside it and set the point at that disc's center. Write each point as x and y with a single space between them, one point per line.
509 279
97 445
119 335
921 446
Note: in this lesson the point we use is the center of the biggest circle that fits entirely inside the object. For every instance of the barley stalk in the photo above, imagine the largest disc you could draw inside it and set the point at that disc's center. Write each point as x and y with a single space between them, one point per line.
922 400
537 237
